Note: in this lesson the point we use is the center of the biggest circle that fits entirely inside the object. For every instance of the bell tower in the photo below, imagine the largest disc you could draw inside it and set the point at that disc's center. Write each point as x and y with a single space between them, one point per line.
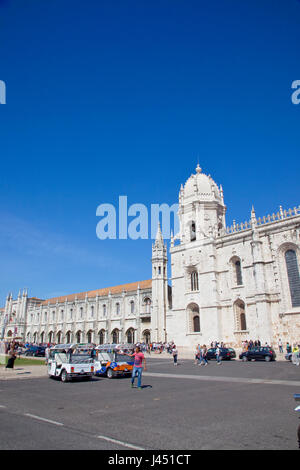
201 208
159 288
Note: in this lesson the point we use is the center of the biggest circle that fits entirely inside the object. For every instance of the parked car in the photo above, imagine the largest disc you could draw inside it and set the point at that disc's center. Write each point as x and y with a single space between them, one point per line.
36 351
226 353
265 353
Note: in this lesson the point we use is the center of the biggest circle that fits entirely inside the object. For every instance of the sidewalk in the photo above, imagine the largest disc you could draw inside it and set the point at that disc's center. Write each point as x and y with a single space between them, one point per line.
22 372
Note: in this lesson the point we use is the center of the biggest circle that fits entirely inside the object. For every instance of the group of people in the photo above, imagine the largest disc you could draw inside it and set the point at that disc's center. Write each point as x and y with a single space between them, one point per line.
201 355
246 345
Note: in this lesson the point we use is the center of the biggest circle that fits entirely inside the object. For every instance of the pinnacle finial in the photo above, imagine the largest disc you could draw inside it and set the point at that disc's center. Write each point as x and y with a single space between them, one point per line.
159 237
198 169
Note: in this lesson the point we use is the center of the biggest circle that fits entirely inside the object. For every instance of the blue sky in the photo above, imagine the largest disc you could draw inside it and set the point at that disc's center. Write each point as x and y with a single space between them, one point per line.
109 98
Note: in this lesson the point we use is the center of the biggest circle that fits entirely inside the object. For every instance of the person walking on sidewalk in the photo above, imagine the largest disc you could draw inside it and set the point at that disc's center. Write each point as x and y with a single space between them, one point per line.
175 355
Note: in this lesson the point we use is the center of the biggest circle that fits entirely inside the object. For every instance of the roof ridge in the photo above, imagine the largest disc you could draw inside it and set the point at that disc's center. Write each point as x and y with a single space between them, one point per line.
101 291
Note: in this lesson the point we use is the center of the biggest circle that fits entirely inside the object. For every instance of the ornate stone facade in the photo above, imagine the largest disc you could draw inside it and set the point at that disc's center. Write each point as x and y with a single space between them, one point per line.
116 314
232 283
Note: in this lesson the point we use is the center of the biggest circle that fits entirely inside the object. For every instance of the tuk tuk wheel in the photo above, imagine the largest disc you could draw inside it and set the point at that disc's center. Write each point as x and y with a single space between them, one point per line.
110 373
64 376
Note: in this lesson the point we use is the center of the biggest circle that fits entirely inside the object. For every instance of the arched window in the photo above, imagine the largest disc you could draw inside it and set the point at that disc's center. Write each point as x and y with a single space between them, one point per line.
196 323
59 337
78 337
115 336
238 273
240 316
92 312
69 337
117 308
193 231
101 336
42 336
130 335
147 303
131 308
193 318
146 336
89 336
194 281
293 276
104 310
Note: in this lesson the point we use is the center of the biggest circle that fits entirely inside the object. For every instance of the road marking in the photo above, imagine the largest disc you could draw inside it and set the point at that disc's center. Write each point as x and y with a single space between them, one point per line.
115 441
2 406
43 419
224 379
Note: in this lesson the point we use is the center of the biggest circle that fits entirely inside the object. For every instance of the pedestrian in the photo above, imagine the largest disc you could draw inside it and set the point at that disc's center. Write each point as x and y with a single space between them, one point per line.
11 358
175 354
199 355
295 355
204 355
280 346
218 356
47 354
137 370
288 348
298 356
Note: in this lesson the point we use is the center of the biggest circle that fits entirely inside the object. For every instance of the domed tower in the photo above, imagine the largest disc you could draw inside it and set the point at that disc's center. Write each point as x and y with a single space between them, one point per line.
201 208
194 262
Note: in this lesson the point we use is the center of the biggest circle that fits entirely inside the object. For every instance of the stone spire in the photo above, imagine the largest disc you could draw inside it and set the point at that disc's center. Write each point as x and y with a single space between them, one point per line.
253 218
159 241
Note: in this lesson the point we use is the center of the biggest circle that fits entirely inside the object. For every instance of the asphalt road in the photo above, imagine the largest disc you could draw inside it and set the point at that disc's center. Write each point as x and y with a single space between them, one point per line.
230 406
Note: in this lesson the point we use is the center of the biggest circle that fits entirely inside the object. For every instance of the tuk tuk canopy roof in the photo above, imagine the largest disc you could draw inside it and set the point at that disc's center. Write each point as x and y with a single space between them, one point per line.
73 346
115 347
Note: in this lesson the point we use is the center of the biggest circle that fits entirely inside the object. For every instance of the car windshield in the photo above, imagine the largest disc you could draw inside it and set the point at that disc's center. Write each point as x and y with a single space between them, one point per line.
80 358
104 356
123 358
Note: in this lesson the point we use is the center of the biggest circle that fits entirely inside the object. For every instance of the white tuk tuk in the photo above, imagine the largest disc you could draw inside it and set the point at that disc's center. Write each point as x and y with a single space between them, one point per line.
68 361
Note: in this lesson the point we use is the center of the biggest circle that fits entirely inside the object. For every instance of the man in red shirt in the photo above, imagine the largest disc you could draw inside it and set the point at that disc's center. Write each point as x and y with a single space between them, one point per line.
138 367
